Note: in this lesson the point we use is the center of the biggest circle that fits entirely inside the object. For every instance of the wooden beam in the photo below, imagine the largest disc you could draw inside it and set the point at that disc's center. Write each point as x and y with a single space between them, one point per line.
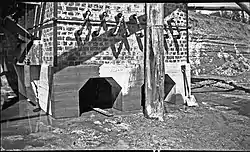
43 7
97 22
36 18
10 25
154 62
40 28
187 34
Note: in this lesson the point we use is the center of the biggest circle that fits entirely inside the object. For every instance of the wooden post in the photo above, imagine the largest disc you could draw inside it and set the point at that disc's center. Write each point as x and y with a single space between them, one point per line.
187 25
154 62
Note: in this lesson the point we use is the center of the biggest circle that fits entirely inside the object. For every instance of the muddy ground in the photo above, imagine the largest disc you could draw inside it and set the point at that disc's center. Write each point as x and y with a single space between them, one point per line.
220 122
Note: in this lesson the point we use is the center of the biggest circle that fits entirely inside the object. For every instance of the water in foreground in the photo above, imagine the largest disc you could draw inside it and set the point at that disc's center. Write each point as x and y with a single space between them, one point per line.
220 122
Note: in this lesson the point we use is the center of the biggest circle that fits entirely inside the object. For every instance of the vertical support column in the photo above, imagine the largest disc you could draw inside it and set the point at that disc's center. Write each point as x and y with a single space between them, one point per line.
43 7
1 65
187 27
55 35
51 104
154 62
37 18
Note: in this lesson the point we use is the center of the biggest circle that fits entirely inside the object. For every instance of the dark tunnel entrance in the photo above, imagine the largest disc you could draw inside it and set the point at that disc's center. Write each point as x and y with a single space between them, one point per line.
98 93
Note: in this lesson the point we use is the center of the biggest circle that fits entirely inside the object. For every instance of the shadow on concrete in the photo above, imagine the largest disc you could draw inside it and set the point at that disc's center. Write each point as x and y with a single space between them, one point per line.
73 56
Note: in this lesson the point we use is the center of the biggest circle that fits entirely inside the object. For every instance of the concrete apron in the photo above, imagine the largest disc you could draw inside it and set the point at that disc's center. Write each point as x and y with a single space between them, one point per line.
177 93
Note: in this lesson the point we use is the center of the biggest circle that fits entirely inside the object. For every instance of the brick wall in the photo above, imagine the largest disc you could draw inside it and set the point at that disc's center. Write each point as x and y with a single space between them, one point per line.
47 36
42 50
99 48
177 11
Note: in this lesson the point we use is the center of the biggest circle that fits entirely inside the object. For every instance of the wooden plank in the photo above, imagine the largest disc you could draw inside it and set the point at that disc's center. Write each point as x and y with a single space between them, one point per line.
34 72
20 74
70 87
104 112
43 7
64 97
66 86
45 88
27 75
154 62
71 102
66 112
36 18
187 33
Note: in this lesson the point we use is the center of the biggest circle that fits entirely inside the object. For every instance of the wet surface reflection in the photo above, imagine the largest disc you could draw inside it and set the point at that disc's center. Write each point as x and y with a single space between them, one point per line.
18 121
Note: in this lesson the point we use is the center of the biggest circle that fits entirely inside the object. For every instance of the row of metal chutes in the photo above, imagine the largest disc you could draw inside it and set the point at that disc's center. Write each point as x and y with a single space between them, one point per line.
171 31
85 34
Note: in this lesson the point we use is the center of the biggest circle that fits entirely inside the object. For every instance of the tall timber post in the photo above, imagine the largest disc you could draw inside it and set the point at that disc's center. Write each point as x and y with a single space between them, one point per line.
154 62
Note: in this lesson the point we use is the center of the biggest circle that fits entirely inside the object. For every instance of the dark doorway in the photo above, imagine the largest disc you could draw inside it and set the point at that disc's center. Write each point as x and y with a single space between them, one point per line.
98 93
168 85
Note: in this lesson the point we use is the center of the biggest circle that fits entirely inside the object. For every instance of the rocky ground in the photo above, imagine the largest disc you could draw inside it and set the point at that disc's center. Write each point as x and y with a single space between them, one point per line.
221 42
222 121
